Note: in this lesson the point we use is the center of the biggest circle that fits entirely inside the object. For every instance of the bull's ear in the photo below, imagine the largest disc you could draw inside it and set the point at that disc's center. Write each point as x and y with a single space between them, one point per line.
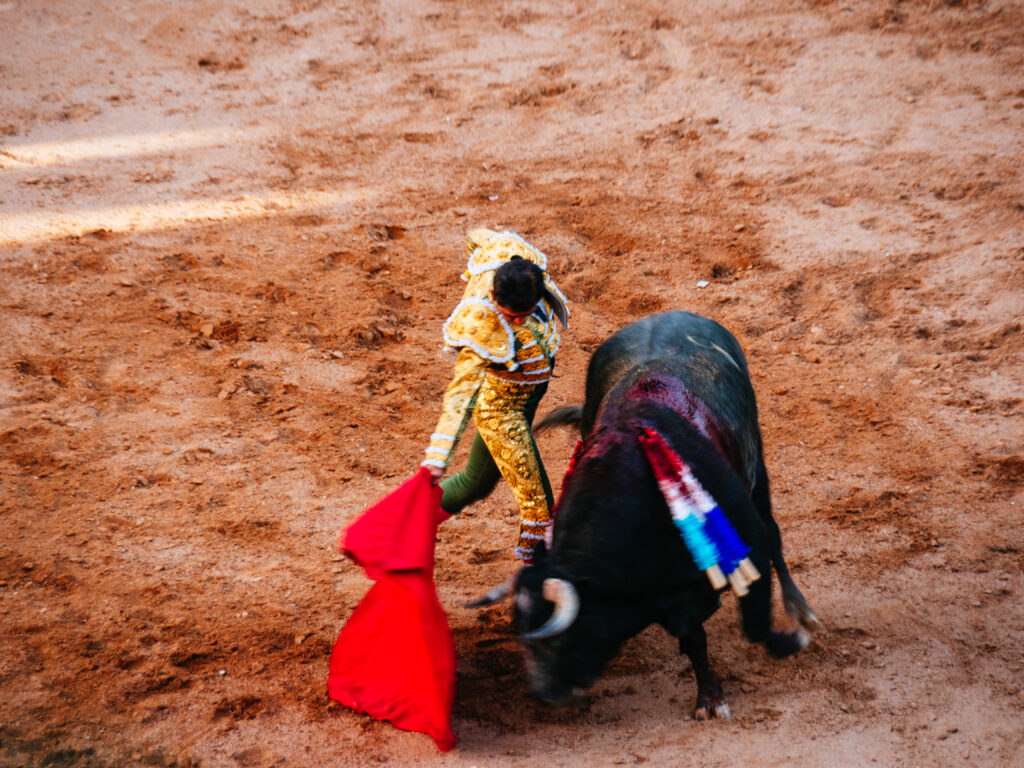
540 553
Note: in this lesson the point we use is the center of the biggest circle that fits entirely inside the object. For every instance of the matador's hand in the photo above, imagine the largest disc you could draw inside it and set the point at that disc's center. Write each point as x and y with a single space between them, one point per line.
436 472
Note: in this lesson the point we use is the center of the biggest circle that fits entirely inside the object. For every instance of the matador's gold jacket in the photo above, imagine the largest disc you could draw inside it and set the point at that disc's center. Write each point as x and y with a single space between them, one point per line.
517 358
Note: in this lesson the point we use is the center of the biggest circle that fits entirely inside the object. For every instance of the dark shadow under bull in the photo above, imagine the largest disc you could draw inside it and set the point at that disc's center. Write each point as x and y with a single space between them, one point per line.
617 563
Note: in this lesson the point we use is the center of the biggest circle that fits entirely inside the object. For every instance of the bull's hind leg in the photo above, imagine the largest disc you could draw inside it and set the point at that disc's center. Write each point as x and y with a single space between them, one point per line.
710 699
792 598
756 611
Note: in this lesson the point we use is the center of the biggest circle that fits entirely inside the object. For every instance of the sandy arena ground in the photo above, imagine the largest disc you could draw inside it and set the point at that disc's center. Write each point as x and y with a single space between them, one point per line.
229 235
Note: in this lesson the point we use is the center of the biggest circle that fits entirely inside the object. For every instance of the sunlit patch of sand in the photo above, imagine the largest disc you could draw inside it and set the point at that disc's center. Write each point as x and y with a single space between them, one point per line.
42 155
35 226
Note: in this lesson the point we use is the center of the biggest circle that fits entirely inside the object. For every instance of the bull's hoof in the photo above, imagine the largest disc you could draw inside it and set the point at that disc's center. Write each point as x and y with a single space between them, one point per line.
710 709
801 612
783 644
810 622
803 638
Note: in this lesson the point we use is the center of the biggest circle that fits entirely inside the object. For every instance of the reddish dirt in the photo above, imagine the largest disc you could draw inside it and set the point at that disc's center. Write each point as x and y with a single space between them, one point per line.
229 234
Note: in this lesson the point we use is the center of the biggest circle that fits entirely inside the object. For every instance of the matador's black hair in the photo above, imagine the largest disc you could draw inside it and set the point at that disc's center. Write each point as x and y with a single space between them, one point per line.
519 285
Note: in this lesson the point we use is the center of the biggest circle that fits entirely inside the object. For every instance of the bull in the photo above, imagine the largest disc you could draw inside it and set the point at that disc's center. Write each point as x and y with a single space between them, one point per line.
616 563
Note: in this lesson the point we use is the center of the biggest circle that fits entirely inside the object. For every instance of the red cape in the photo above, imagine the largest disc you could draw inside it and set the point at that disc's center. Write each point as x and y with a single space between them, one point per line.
395 656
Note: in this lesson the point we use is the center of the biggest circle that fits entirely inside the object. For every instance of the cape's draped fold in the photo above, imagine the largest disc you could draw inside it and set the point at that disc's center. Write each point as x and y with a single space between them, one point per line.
395 656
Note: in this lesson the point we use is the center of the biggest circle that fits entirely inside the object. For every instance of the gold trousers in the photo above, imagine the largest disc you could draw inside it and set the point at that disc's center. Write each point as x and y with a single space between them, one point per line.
503 414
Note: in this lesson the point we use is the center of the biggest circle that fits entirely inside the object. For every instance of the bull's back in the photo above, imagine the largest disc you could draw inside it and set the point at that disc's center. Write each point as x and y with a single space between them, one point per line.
704 357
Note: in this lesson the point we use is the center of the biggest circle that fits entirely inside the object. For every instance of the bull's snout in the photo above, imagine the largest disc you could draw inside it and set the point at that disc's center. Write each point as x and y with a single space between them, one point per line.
556 697
552 688
544 685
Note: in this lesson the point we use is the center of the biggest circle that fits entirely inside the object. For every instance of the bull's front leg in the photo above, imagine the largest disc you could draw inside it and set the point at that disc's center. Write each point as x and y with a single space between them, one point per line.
710 699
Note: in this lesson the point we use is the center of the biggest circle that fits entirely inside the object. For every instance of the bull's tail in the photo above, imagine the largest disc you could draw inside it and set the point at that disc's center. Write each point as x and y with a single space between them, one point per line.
566 416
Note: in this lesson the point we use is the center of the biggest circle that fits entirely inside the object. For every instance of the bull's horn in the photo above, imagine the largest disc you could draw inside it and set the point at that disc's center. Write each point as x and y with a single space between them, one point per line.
567 607
500 592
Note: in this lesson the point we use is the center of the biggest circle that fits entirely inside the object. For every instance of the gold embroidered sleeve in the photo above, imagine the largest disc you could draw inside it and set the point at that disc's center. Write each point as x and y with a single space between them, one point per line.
457 406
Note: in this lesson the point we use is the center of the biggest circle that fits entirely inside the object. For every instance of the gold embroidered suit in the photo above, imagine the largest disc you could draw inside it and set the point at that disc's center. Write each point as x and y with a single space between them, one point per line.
501 372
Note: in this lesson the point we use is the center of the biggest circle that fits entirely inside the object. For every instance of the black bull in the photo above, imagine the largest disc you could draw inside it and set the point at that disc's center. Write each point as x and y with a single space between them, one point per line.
617 563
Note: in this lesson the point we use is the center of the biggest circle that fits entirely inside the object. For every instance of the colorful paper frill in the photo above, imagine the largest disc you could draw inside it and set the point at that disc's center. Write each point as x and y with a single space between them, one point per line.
716 547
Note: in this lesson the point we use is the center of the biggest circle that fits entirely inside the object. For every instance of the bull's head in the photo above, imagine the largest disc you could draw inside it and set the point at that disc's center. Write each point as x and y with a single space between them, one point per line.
575 607
566 637
546 607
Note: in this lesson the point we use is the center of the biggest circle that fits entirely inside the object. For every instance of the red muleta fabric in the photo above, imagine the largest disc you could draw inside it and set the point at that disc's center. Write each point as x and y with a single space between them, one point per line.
395 656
